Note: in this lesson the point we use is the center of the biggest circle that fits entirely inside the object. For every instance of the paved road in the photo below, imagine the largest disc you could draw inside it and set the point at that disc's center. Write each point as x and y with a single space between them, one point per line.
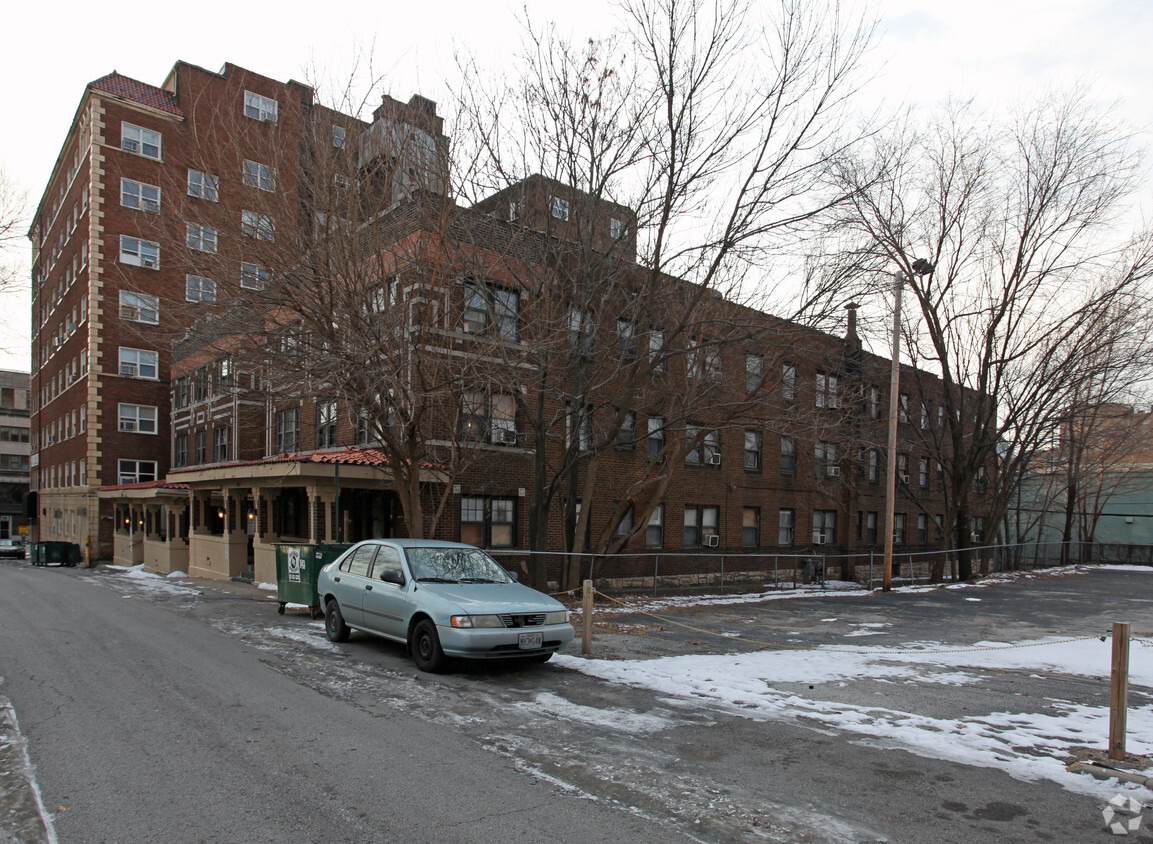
198 714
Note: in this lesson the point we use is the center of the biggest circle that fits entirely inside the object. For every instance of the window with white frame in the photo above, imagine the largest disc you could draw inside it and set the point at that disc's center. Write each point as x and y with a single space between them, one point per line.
326 424
203 185
656 436
139 140
559 208
625 525
197 288
617 228
788 382
253 277
257 175
754 372
826 393
788 456
656 350
825 459
260 107
491 310
627 432
202 238
578 426
136 471
751 527
260 226
137 418
488 522
138 195
655 529
874 465
786 524
922 528
222 443
899 521
924 415
139 363
139 253
923 471
700 525
903 408
626 339
753 451
824 527
287 430
874 403
707 450
338 136
139 307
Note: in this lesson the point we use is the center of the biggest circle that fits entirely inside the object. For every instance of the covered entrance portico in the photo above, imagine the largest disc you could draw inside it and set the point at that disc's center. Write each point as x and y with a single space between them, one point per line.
150 525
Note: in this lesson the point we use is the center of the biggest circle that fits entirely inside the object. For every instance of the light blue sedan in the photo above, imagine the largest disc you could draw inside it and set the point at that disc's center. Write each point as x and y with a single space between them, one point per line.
442 599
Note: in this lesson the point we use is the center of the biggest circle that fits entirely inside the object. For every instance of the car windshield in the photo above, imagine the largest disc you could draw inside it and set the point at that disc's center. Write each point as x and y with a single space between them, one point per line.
455 565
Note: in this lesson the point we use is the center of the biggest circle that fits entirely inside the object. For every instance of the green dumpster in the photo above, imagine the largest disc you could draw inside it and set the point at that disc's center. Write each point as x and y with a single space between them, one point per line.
297 567
55 553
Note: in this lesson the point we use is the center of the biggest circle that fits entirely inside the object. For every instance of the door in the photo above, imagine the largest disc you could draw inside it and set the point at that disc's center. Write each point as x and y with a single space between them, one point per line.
386 605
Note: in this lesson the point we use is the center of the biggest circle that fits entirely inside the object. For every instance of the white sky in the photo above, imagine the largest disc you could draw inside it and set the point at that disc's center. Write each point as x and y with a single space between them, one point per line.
927 50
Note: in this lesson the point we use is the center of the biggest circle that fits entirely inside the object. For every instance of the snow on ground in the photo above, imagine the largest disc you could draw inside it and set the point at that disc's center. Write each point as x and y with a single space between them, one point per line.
1026 745
146 579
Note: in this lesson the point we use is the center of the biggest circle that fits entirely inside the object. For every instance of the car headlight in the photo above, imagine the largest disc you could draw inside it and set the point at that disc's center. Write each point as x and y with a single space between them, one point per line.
477 621
558 617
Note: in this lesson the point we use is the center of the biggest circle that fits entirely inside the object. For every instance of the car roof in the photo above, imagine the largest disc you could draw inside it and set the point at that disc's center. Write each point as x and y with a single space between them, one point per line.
405 542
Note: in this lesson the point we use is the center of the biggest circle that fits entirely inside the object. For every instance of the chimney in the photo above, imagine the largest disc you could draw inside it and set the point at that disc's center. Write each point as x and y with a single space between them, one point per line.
851 329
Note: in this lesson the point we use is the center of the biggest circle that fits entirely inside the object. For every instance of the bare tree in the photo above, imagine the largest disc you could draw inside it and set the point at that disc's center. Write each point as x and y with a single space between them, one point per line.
13 217
1018 222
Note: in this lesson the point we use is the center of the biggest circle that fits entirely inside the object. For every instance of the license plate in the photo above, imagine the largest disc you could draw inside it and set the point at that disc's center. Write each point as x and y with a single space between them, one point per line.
527 641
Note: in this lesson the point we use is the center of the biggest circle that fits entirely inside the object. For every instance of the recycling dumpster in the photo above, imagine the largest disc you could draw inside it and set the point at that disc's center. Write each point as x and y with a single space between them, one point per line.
297 567
55 553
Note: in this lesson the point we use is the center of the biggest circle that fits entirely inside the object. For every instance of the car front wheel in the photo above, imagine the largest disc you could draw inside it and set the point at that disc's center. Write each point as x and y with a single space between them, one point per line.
334 626
425 646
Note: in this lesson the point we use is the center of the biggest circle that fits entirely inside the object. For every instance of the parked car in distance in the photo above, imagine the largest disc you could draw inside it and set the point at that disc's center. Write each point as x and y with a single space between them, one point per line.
441 599
12 547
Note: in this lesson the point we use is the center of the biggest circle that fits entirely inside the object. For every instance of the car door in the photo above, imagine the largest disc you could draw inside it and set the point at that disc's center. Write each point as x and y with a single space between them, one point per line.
350 582
386 605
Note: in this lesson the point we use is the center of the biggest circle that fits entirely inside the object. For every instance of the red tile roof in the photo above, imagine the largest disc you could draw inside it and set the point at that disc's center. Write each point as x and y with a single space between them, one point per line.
140 92
147 485
349 457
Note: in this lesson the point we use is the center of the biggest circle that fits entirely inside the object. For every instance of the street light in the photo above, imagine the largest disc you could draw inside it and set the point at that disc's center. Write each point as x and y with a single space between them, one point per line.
920 267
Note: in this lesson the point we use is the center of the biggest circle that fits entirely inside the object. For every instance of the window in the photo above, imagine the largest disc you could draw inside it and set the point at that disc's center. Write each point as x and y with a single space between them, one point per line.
903 408
707 451
338 136
488 418
656 350
941 417
788 456
656 436
578 427
139 140
924 415
14 463
200 448
923 471
898 528
180 451
222 443
655 529
922 529
753 451
979 530
826 395
257 175
488 522
824 527
982 480
139 195
9 434
825 459
754 372
626 340
786 521
874 403
203 185
136 471
259 108
139 253
902 468
751 527
874 465
326 424
253 277
788 382
617 228
700 526
703 361
581 332
138 307
287 430
197 288
627 433
558 207
139 363
939 522
491 310
871 527
260 226
202 238
137 418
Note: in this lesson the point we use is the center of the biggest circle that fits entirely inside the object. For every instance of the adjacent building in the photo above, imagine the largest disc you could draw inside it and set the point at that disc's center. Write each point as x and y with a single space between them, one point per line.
15 452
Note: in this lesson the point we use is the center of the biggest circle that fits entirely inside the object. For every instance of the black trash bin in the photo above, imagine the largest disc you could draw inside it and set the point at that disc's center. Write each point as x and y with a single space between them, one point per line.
55 553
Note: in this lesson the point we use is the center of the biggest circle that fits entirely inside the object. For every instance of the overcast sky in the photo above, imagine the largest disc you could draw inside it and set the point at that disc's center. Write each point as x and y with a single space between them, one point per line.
995 51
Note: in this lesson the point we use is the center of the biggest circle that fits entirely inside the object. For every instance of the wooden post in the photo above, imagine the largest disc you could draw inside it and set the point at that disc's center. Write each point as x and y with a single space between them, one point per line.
587 619
1118 698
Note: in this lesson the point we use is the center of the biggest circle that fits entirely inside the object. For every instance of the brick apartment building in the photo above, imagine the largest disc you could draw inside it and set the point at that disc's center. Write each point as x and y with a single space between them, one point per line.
15 450
163 441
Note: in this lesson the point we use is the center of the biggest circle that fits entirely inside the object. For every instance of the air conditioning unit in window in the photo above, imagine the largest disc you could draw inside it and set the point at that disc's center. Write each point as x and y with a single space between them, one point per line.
904 479
150 205
818 539
715 459
833 471
712 541
507 437
150 263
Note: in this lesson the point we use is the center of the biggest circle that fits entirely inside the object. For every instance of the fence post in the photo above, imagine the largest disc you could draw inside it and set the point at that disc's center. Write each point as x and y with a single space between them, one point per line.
722 572
871 552
776 582
656 573
587 619
1119 690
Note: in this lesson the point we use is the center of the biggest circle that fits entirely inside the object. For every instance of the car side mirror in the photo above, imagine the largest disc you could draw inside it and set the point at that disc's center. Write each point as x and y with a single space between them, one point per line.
393 576
515 575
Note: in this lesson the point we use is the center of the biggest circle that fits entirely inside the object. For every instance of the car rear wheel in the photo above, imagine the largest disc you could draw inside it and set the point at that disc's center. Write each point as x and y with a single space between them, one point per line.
425 647
334 626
